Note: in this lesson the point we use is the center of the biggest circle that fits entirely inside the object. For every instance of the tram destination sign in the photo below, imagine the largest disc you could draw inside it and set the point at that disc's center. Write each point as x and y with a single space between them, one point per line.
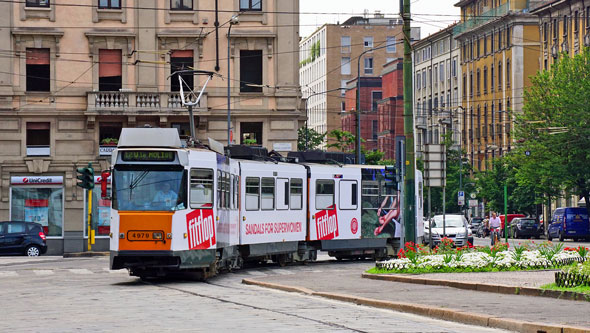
147 156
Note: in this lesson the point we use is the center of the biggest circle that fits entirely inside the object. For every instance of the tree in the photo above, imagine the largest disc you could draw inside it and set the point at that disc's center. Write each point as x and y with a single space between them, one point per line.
553 131
344 140
313 139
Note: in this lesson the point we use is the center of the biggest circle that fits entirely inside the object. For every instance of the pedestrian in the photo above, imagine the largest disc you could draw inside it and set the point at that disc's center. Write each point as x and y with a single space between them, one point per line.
494 227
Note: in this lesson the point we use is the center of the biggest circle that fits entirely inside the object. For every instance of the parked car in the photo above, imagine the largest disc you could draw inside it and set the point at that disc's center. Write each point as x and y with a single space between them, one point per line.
510 218
474 224
18 237
569 222
456 228
525 227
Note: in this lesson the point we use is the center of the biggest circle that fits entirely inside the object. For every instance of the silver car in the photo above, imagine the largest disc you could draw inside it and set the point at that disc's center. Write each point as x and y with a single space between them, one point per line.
455 228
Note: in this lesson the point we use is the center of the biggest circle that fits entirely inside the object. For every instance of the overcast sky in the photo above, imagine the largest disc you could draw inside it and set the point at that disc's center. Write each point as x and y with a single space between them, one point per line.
340 10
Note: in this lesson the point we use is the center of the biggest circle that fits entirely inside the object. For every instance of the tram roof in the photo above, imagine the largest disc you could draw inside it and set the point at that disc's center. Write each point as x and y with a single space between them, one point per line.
150 137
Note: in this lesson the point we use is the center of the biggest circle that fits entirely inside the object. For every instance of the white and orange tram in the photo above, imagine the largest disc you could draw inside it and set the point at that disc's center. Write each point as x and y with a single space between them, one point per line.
193 209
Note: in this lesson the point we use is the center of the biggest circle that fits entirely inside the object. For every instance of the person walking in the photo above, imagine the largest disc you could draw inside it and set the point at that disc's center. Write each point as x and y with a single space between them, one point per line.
494 227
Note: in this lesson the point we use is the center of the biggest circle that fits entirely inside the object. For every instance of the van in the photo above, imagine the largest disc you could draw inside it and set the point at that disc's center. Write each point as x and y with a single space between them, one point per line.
569 222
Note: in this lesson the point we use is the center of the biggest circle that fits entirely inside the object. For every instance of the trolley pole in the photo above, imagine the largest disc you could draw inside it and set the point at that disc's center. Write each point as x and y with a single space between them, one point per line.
90 230
410 169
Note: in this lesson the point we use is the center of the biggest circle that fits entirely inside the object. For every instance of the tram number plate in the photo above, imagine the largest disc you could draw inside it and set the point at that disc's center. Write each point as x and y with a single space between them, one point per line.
142 235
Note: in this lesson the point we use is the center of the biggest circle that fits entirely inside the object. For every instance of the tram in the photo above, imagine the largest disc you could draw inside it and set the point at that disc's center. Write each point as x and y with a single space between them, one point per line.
193 209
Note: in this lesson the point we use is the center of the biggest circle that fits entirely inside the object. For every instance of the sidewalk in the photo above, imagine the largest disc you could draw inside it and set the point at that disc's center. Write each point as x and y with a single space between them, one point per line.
507 311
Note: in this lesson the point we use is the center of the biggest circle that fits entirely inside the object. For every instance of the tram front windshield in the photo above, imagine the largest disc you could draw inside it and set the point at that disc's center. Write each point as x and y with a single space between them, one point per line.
149 189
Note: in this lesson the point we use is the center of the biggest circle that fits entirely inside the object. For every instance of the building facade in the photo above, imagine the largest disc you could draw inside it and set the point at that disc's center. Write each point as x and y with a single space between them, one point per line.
437 90
329 59
370 93
72 76
499 44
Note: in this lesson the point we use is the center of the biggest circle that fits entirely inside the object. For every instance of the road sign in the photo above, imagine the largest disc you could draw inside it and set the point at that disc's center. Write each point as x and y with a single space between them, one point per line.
461 198
473 195
473 203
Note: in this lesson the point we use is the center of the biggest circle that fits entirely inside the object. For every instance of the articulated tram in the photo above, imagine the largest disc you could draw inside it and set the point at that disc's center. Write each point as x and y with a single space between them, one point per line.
194 209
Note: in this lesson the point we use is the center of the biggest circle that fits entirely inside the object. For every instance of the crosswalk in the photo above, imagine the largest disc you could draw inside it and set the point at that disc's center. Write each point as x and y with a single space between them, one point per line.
255 272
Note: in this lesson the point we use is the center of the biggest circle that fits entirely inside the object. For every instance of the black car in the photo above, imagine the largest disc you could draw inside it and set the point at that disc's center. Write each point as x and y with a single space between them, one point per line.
525 227
474 224
25 238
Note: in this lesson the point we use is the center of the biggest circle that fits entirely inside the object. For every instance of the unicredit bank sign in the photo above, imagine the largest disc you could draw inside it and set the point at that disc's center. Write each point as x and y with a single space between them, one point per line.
36 180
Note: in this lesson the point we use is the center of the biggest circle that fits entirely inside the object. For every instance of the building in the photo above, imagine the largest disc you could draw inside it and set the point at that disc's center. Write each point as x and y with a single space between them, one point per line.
330 56
390 109
499 43
437 92
371 92
73 75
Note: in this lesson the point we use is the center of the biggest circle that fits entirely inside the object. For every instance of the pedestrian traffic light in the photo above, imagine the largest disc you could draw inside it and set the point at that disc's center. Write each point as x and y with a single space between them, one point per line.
86 177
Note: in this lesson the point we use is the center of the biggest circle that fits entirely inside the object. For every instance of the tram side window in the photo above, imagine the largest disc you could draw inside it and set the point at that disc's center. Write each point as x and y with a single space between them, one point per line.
232 191
252 193
296 193
282 193
219 189
201 188
324 194
268 193
370 195
348 194
237 191
226 189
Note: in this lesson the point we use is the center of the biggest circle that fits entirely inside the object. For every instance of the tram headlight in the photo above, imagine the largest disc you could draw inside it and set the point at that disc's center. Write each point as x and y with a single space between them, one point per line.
158 235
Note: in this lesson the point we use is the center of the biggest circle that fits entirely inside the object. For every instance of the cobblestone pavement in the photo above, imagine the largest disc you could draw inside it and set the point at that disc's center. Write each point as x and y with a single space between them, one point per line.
82 294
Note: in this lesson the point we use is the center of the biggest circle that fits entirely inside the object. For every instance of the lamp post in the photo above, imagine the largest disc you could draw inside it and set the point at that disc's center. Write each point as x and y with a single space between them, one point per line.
234 20
307 113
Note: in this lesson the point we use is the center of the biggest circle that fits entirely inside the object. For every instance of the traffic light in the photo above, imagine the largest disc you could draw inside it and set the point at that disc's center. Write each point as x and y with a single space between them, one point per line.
86 177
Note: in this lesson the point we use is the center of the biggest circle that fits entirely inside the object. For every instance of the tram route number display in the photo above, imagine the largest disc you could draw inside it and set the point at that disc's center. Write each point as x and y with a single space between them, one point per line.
148 156
273 228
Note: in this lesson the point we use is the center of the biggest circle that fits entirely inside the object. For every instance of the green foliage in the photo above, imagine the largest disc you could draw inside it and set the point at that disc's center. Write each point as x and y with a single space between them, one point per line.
578 289
549 250
313 139
554 129
345 141
249 142
373 157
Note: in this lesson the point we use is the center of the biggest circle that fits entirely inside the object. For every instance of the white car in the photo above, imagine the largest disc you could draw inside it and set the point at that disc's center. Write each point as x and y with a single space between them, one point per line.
455 228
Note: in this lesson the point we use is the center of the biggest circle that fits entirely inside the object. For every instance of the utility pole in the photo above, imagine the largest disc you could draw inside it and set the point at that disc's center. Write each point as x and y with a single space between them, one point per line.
409 212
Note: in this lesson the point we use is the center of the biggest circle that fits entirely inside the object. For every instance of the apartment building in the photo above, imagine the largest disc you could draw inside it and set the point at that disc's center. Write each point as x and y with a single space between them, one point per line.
329 59
73 75
437 92
499 43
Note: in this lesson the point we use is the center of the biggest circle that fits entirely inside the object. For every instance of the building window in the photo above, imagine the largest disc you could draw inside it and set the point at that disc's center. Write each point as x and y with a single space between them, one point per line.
375 97
109 70
418 83
545 35
441 68
251 132
492 78
39 204
464 86
368 65
587 18
391 47
108 132
251 70
565 27
478 48
485 45
471 84
343 86
37 3
246 5
38 143
454 66
492 35
38 70
478 82
368 42
345 44
109 4
508 74
576 22
485 80
508 41
181 60
499 75
375 129
345 66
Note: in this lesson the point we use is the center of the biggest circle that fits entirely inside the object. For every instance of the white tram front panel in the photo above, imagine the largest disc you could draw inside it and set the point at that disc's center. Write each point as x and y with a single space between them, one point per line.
273 202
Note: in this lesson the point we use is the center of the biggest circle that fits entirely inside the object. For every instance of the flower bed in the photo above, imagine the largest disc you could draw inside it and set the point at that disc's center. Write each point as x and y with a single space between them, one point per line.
419 259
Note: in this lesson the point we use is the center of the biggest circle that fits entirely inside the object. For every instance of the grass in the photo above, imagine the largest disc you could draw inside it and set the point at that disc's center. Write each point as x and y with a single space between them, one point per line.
578 289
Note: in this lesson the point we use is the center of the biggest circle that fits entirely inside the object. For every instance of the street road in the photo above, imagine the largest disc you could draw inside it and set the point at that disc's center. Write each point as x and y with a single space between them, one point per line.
52 294
512 242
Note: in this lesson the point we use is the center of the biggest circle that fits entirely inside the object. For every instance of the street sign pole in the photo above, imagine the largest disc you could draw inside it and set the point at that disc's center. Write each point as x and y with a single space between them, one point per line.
90 231
410 167
505 211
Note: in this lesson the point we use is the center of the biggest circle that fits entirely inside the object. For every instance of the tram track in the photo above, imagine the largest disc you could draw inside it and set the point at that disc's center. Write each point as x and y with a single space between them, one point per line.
253 307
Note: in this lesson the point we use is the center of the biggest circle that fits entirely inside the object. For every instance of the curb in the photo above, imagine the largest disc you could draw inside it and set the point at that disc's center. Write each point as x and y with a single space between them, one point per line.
85 254
491 288
430 311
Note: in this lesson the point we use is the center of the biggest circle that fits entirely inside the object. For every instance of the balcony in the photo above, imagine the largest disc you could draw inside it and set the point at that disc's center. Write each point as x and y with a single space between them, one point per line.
485 17
421 121
138 102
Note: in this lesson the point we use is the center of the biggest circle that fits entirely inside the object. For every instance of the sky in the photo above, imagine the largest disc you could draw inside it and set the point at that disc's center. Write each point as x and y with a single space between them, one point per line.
314 13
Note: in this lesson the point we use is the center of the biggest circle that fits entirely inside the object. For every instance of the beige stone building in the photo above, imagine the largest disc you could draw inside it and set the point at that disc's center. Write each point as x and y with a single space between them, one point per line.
72 74
329 59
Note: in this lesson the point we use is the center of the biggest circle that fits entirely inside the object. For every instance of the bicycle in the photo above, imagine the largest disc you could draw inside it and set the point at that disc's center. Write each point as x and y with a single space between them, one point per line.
495 235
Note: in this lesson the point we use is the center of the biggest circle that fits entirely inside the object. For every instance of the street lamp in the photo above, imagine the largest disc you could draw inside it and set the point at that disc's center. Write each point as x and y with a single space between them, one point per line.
307 113
234 20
